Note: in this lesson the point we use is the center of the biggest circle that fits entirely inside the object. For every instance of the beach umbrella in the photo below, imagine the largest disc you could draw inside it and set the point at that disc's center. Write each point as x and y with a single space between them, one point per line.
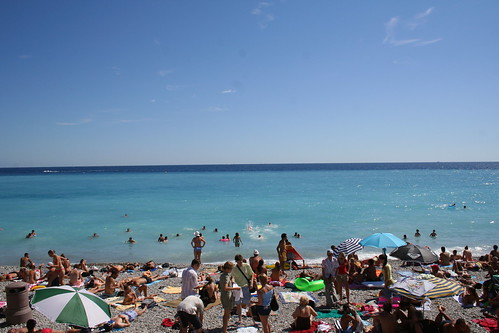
414 286
443 288
69 305
382 240
348 246
415 253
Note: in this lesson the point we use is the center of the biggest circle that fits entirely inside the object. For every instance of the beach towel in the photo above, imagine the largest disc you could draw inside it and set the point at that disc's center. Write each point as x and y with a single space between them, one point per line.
167 322
373 284
277 283
113 300
174 303
211 305
154 282
294 297
328 314
250 329
121 307
489 324
172 290
312 329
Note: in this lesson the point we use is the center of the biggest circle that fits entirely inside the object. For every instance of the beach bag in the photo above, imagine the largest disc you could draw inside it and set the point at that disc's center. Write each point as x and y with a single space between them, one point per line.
274 305
251 283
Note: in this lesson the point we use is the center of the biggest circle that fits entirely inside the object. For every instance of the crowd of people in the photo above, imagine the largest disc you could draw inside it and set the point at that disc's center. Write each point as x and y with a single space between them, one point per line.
239 279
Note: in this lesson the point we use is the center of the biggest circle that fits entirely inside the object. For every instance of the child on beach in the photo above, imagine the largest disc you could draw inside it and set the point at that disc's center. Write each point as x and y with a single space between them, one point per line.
226 296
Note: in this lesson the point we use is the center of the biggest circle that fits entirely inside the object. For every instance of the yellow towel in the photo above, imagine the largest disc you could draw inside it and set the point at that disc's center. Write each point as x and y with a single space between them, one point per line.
172 290
174 303
121 307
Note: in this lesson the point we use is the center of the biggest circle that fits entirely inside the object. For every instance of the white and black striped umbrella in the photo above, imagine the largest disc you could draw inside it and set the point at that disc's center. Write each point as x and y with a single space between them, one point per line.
348 246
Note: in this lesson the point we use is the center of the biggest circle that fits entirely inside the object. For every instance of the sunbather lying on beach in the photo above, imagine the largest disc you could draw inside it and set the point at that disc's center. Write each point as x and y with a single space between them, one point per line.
124 319
132 294
146 278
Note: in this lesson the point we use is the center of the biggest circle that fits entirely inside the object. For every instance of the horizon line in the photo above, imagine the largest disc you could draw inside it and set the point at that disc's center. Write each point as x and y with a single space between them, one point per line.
240 164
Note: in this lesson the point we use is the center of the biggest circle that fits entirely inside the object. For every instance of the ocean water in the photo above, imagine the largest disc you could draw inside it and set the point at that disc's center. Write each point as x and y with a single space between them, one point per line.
325 203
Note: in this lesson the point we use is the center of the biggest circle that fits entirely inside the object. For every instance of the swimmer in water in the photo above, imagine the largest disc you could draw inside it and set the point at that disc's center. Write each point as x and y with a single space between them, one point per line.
405 237
131 240
417 234
216 230
177 235
128 230
95 235
433 234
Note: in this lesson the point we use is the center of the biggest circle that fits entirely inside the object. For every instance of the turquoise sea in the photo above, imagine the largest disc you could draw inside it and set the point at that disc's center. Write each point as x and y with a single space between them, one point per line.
325 203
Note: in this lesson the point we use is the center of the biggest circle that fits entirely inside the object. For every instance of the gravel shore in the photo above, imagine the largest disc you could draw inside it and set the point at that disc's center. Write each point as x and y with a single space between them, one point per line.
151 320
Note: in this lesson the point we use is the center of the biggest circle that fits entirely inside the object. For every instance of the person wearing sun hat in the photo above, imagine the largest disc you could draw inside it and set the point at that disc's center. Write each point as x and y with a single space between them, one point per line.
197 244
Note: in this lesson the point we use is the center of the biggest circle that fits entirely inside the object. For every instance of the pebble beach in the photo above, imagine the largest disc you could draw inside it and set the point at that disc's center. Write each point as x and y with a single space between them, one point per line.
280 320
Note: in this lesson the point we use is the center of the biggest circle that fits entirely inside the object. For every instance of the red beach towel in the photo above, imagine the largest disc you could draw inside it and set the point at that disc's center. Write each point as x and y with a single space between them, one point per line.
490 324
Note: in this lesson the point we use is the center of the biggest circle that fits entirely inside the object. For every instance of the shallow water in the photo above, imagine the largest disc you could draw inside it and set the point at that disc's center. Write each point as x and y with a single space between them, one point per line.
324 206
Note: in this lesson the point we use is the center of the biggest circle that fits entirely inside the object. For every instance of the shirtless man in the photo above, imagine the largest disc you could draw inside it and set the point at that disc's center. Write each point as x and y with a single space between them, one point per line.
75 278
448 325
65 263
433 234
417 234
385 321
253 261
31 328
112 288
26 261
348 322
494 252
467 254
369 272
58 266
281 250
197 244
131 296
147 278
444 257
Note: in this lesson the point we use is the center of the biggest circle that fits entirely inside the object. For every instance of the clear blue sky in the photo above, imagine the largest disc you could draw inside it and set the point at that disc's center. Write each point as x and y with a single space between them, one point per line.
205 82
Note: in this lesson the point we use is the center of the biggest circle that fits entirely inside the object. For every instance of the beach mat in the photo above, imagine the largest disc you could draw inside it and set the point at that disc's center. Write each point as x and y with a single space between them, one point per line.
174 303
172 290
211 305
294 297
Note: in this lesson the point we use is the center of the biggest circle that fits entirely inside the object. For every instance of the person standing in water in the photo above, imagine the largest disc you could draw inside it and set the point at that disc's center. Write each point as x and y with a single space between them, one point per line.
197 244
237 240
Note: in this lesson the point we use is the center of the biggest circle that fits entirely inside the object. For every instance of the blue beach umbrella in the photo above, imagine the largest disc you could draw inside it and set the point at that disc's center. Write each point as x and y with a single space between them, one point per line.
382 240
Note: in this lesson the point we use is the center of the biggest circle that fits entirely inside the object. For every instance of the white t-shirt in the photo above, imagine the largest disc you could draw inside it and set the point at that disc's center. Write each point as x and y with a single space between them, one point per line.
189 282
192 305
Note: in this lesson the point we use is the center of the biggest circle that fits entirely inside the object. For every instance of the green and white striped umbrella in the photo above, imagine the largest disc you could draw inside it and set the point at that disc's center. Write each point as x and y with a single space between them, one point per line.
71 305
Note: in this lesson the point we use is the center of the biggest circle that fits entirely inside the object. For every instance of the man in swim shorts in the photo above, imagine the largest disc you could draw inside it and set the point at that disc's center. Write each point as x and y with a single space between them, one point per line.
58 266
197 244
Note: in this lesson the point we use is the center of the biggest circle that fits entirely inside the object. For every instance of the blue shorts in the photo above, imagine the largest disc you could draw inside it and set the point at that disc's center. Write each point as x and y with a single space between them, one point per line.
246 298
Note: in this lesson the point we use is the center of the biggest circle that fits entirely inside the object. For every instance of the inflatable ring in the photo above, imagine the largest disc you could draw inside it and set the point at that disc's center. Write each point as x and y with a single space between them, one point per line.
286 266
224 240
37 287
306 285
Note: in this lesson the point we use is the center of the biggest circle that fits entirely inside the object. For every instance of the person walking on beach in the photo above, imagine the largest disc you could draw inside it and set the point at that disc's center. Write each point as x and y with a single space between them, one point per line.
226 296
265 294
281 250
329 266
243 276
197 244
190 282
